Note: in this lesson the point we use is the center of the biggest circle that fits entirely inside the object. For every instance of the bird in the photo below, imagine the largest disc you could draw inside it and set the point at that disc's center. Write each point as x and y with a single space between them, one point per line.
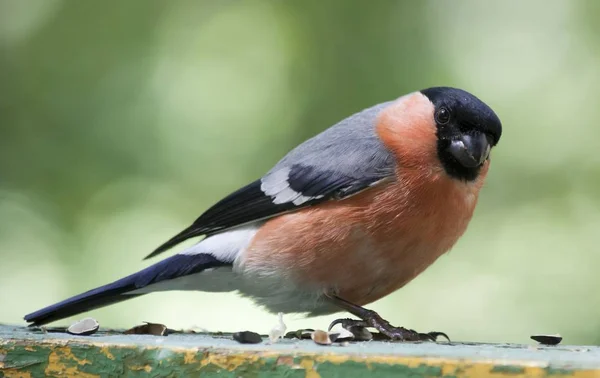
347 217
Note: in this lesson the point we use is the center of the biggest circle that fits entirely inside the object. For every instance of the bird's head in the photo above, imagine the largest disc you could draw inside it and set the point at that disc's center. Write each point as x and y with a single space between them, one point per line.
466 130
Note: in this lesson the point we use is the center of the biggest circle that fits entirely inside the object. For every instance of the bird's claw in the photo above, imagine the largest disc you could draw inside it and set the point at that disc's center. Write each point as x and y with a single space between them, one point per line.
347 323
357 327
385 328
433 335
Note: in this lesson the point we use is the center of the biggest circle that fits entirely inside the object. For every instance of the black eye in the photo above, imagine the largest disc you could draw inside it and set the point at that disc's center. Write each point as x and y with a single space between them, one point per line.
442 116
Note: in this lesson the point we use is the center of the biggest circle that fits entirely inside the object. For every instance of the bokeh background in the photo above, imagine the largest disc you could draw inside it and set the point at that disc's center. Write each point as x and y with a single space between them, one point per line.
121 122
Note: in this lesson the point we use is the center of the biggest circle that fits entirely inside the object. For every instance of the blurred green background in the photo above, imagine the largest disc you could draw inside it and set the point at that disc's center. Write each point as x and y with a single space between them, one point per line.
120 122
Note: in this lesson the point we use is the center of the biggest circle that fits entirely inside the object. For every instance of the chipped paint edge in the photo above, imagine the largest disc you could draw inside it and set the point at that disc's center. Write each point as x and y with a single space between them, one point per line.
27 358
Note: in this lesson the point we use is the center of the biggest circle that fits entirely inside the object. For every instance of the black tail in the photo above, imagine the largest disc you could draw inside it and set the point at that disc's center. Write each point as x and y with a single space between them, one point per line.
90 300
172 267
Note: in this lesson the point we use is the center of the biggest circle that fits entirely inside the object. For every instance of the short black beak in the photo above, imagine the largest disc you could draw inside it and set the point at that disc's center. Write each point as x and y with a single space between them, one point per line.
471 150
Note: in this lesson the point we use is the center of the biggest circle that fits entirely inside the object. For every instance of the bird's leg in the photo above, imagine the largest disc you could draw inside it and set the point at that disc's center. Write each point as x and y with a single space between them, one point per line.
370 318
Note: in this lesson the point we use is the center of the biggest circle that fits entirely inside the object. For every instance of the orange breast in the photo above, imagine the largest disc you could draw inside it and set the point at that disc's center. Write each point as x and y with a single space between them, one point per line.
369 245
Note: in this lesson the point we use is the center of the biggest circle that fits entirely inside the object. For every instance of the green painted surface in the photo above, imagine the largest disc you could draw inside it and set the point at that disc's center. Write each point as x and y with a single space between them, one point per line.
508 370
24 353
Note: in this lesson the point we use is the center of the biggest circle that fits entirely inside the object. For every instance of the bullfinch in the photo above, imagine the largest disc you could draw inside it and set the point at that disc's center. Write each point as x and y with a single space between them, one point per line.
344 219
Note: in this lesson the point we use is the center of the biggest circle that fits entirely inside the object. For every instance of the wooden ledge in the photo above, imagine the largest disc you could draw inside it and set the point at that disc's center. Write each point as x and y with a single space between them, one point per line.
24 353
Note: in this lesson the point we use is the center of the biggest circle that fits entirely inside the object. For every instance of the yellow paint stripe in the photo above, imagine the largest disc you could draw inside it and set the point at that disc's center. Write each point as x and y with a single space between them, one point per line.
57 366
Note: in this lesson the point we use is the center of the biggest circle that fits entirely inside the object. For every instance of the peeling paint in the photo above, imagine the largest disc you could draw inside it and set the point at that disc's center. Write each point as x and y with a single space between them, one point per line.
61 361
14 373
227 362
146 368
286 360
86 357
189 357
91 360
105 351
309 368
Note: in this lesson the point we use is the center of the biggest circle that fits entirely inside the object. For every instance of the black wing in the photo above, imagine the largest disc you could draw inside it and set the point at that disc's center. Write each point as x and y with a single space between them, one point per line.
251 203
